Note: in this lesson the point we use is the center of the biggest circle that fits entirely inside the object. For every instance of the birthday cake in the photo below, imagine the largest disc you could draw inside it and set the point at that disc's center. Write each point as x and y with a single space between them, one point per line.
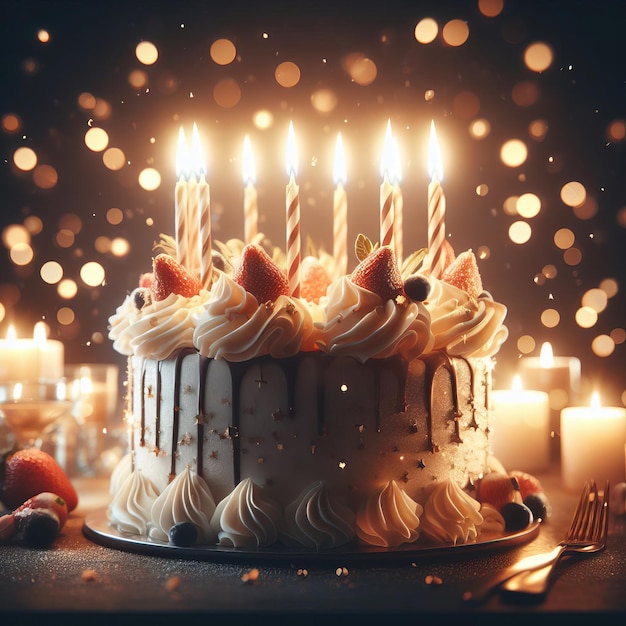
354 413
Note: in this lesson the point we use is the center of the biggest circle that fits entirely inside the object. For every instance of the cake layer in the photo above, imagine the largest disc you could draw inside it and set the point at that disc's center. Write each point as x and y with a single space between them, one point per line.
287 423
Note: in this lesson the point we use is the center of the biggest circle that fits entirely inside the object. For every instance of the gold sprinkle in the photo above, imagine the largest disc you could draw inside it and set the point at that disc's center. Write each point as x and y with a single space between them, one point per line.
250 576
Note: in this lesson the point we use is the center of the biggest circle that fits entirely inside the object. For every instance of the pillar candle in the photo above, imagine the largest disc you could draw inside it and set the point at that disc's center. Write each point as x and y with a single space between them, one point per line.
519 428
592 444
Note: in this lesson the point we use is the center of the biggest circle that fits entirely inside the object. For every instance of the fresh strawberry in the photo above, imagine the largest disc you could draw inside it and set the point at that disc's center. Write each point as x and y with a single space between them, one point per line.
313 279
378 272
463 273
497 489
47 500
527 483
171 277
260 276
29 472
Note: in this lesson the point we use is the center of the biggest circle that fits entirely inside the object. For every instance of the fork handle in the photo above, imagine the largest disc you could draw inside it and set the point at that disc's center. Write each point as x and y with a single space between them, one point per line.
530 583
542 562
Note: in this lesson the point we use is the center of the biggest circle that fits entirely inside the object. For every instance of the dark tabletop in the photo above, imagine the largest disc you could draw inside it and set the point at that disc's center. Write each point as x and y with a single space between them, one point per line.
76 577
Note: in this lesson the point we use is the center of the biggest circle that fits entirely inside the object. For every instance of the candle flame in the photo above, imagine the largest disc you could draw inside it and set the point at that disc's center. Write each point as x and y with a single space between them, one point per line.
197 160
182 155
546 357
292 159
11 334
387 161
17 391
339 167
595 400
517 383
249 174
435 167
39 333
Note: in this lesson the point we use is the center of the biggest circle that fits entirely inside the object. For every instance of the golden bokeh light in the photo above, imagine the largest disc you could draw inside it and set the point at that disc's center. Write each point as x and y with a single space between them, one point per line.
538 129
455 33
520 232
114 159
87 101
588 209
324 100
223 51
483 253
513 152
616 130
526 344
92 273
263 119
11 123
586 317
603 346
149 179
102 244
96 139
43 35
618 335
490 8
287 74
15 234
573 256
564 238
528 205
45 176
120 247
549 271
466 105
538 56
25 159
115 216
595 299
429 94
573 194
482 190
66 316
550 318
480 129
426 30
138 79
51 272
102 109
525 93
67 289
65 238
509 206
3 312
610 287
21 254
146 53
227 93
362 70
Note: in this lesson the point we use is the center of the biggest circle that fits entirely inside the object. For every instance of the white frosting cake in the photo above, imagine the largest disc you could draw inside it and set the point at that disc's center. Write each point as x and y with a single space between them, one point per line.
361 415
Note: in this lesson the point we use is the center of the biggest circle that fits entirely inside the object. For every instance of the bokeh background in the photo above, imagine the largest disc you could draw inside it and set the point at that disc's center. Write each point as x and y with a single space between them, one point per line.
529 100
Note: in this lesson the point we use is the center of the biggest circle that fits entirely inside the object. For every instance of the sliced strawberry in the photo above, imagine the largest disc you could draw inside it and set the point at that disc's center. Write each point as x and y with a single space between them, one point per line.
463 273
171 277
260 276
378 272
30 472
313 279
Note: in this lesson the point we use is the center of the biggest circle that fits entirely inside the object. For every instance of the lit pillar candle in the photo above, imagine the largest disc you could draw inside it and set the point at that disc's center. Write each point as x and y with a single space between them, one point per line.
31 360
193 210
519 428
397 203
592 444
436 207
386 191
293 217
559 377
181 200
250 201
203 215
340 210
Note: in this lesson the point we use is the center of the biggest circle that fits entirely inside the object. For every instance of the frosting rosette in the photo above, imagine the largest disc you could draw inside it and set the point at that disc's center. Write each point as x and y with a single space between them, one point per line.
493 522
186 499
389 517
360 324
464 326
129 511
120 473
316 520
246 518
232 325
451 516
156 330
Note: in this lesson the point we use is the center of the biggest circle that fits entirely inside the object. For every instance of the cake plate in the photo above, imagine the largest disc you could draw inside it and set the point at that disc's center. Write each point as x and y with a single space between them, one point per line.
97 528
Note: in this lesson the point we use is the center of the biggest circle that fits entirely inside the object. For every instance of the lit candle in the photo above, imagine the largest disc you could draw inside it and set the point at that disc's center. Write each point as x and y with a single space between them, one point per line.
340 210
293 217
386 191
31 360
592 444
203 214
559 377
193 210
181 200
250 203
519 433
397 203
436 207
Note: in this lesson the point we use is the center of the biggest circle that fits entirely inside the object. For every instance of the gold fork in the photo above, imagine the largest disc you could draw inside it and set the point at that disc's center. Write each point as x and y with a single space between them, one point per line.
586 534
587 537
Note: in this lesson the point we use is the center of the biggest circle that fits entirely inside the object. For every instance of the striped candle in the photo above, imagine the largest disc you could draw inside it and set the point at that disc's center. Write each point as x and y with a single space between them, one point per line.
204 216
193 211
436 208
386 191
397 199
250 202
293 218
340 211
181 200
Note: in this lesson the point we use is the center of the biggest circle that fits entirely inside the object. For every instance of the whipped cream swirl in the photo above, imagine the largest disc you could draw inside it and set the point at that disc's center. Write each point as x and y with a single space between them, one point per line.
464 326
451 516
316 520
186 499
389 518
156 330
232 325
129 511
120 473
360 324
493 522
246 518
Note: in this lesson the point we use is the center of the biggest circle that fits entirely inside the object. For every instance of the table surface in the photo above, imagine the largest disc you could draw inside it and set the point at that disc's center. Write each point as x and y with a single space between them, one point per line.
35 581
